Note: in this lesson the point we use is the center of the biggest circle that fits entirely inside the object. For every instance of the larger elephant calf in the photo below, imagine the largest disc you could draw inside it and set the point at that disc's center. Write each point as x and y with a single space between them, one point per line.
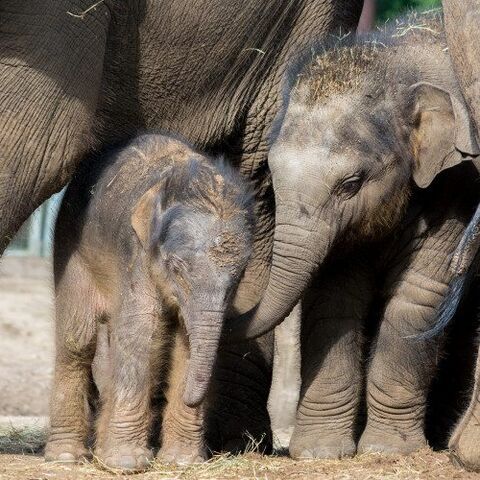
378 144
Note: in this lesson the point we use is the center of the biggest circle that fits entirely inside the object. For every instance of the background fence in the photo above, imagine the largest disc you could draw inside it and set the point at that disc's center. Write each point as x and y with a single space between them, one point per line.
35 238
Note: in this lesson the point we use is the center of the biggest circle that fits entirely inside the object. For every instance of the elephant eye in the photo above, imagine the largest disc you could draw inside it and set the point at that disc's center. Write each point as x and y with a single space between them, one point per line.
350 186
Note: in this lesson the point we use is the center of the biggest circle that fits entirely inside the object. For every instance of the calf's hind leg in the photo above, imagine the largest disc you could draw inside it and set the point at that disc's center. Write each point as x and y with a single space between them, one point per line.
77 310
403 362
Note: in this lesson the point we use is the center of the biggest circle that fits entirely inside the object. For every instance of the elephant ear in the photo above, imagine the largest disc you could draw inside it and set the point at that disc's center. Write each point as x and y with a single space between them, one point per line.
443 133
143 214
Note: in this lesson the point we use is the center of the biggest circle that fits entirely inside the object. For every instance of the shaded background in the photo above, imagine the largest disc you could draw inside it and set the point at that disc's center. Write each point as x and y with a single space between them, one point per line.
388 9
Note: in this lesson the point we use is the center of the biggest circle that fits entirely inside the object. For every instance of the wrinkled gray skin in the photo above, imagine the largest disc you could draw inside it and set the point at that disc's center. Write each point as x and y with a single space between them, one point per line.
461 25
207 70
152 240
368 148
75 78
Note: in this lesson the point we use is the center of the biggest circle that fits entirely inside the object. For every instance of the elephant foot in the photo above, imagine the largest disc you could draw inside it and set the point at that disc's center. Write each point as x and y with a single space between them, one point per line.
321 446
464 445
66 451
182 453
399 442
126 458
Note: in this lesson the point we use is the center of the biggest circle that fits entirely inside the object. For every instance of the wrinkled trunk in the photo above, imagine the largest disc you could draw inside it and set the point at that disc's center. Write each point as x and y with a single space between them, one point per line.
204 330
298 250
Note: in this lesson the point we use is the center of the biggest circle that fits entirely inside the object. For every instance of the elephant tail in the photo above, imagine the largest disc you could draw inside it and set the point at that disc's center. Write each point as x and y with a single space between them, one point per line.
464 266
458 286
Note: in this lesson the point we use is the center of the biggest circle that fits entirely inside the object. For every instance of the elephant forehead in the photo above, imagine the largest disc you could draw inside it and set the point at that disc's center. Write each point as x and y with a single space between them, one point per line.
310 166
322 124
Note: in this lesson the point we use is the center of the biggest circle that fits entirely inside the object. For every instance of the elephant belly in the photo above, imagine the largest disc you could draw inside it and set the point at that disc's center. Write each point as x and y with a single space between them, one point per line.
196 61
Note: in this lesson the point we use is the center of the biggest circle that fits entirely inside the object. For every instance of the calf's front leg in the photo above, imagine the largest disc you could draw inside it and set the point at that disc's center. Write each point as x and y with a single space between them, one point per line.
182 438
331 343
137 343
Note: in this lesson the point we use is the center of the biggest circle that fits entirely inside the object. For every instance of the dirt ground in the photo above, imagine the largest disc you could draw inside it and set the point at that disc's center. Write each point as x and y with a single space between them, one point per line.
424 465
26 360
26 330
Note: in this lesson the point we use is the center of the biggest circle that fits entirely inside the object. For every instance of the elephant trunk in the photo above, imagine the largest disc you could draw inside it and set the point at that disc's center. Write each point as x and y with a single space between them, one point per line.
298 250
204 329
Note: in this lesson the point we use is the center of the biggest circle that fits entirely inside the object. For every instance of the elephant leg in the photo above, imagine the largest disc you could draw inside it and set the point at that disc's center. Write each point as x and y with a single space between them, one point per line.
101 365
464 442
403 363
77 310
137 344
237 414
283 399
331 344
183 439
51 66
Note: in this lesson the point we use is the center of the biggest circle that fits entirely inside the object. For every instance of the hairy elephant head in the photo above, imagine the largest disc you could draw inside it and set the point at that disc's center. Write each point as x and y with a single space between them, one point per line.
364 127
196 226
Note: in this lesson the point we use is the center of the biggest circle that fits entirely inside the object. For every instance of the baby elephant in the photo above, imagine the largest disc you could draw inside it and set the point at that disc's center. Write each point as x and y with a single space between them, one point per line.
152 242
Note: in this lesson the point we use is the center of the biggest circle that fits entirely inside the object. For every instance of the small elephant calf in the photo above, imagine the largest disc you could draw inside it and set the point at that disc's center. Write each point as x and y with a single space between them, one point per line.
151 242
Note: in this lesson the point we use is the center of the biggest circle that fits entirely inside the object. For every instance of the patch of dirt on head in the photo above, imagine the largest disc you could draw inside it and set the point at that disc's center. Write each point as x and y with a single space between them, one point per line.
226 251
26 335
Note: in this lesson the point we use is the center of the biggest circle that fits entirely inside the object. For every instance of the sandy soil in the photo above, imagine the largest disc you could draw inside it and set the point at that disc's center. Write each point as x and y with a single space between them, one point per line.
26 360
22 444
26 330
424 465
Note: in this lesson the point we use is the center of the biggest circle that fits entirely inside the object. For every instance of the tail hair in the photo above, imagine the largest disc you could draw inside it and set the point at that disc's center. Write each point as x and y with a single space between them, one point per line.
464 268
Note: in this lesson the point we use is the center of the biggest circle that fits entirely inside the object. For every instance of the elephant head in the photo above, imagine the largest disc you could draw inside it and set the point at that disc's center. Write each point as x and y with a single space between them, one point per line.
364 127
196 226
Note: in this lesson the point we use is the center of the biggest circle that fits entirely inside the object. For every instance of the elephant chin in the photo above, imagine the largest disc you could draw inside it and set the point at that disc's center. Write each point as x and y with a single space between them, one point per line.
297 253
204 331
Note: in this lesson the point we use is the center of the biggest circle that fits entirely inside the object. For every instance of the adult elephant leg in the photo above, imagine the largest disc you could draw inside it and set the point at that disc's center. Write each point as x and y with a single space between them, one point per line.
51 65
464 442
183 428
333 313
461 26
237 415
283 399
403 362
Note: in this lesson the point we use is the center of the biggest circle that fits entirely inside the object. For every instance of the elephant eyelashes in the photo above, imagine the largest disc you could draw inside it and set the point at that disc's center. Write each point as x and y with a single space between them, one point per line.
350 186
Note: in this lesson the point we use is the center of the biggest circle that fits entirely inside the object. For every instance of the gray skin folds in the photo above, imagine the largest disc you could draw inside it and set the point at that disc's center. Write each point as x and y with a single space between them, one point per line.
151 237
207 70
378 145
461 25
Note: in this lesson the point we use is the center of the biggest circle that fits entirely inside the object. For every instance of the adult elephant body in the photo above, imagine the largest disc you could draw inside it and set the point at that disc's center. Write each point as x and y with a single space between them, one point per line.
461 25
77 75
